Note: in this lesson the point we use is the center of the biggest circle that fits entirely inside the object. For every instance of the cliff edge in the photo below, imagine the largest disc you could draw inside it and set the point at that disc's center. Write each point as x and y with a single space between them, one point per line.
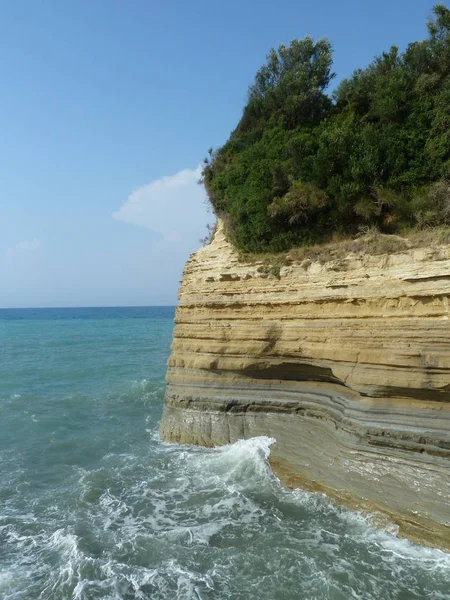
346 364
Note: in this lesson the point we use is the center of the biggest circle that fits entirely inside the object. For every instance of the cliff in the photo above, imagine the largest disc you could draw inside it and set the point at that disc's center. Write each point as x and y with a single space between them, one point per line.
346 364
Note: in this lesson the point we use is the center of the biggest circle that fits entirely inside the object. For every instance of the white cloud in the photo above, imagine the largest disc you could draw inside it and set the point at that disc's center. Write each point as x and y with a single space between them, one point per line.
22 248
172 206
33 244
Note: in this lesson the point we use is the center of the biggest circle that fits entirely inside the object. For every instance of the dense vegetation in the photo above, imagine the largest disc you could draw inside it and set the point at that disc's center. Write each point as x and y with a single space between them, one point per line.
303 166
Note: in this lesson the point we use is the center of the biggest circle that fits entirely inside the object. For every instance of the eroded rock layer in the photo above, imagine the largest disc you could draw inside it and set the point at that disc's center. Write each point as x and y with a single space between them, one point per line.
346 364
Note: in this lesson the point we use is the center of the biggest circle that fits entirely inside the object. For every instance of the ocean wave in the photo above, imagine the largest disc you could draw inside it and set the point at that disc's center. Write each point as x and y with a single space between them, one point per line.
196 523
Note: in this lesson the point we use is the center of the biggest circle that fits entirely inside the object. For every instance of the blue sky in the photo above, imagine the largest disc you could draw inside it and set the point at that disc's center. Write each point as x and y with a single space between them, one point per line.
107 108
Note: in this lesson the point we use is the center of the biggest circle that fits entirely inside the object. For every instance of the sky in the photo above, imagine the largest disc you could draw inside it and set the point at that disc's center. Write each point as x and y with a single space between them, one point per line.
107 109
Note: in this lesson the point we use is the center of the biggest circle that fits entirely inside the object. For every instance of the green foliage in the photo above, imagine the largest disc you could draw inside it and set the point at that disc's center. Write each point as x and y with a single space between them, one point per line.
300 203
290 86
302 165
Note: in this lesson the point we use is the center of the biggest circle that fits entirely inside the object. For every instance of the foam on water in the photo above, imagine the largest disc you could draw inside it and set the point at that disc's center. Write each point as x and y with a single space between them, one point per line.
94 506
206 524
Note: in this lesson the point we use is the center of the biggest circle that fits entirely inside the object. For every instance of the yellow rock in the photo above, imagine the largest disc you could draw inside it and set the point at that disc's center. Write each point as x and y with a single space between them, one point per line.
346 364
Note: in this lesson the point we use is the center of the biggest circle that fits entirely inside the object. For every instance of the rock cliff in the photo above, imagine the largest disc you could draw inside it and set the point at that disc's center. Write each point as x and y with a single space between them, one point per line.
346 364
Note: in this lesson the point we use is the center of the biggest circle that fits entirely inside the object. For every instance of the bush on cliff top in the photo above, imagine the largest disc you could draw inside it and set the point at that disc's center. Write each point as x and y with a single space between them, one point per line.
303 165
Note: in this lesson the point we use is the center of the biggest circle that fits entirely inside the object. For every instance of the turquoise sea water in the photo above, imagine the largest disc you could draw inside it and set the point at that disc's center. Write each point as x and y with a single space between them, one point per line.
94 506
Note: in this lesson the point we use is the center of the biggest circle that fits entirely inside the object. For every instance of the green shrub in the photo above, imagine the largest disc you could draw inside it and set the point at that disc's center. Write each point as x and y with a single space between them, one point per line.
301 202
302 165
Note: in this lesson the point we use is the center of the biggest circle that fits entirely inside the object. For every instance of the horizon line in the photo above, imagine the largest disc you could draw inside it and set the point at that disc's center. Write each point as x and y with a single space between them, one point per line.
97 306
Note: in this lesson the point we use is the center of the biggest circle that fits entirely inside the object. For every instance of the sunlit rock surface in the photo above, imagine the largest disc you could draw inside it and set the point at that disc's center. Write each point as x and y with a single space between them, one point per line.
346 364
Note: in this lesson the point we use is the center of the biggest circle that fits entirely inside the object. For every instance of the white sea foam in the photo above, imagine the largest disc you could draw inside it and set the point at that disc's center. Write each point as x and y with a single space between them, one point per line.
7 580
207 524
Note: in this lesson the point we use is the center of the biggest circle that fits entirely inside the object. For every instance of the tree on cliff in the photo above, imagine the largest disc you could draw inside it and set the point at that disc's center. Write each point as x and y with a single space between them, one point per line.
290 86
302 165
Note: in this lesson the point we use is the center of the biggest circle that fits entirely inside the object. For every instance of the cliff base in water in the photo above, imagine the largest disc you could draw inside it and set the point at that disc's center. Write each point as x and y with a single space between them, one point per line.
346 364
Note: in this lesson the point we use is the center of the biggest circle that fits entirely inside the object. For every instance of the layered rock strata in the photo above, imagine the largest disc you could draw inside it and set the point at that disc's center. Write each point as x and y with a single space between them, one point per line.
346 364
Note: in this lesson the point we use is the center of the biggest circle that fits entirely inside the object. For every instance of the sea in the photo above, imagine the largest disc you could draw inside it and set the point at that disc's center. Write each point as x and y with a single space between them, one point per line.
93 505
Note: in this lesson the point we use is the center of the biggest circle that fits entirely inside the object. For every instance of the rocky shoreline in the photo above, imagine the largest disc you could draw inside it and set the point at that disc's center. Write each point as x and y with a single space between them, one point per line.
345 363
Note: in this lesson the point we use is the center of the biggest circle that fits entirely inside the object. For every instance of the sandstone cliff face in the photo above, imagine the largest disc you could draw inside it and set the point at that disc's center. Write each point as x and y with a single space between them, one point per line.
346 364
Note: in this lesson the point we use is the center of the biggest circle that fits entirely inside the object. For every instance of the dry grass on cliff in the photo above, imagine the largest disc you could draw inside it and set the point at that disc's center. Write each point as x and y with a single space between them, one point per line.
371 243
